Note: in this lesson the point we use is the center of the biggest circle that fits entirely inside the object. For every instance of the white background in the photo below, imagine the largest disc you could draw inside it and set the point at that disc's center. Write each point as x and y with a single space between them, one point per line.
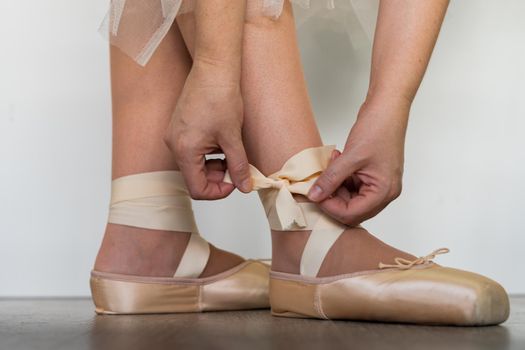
465 154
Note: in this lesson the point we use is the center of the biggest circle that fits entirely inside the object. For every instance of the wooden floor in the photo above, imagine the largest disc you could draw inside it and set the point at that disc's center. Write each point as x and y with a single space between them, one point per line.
71 324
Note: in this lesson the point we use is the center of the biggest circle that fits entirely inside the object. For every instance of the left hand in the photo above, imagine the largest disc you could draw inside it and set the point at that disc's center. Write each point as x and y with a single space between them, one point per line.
367 176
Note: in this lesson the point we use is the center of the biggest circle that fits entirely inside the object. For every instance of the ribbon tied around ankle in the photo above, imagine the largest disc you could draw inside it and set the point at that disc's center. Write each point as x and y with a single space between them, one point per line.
295 177
284 213
405 264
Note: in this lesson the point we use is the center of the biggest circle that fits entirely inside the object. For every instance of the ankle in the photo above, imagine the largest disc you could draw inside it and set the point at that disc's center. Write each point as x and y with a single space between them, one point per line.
287 249
143 252
355 250
219 261
139 251
288 246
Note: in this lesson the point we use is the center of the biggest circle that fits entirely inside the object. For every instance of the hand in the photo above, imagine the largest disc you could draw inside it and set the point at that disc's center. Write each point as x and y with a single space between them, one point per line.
208 119
367 176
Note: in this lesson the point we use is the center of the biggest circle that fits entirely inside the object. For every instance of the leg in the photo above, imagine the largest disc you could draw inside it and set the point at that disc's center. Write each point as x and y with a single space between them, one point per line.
278 123
143 101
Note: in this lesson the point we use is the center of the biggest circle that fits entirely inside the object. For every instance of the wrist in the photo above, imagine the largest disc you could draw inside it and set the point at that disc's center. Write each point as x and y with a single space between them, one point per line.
217 71
382 98
385 112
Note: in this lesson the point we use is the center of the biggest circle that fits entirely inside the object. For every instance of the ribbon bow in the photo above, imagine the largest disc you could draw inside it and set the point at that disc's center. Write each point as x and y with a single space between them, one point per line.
296 176
405 264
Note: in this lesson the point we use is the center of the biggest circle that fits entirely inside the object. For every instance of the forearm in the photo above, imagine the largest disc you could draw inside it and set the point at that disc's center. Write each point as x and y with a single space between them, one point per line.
405 36
219 28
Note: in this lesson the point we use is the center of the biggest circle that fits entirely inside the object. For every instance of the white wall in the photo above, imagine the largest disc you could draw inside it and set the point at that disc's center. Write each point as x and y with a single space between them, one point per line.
465 154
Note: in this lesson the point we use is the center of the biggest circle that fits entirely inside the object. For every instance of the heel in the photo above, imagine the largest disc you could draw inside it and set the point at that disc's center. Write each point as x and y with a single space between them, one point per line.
126 297
295 299
243 287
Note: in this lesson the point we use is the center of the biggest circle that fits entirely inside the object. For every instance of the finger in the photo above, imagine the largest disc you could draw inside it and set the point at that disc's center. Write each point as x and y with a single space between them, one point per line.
353 184
199 186
331 178
350 183
334 155
215 170
343 193
215 165
352 211
237 163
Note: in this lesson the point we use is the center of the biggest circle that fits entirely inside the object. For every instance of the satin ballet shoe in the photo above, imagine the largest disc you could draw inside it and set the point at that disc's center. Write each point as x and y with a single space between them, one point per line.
418 291
159 200
240 288
424 293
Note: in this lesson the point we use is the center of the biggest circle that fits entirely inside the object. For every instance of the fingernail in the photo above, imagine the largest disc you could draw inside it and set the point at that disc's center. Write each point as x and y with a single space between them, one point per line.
315 193
246 185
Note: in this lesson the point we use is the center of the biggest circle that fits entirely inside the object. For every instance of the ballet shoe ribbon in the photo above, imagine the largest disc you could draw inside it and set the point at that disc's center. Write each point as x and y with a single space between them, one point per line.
296 176
159 200
405 264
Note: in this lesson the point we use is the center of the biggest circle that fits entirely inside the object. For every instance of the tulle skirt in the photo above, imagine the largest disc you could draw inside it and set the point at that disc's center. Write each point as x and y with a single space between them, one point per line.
138 26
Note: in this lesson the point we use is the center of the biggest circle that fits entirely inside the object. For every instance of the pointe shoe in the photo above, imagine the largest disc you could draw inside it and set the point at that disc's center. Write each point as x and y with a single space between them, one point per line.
243 287
159 200
424 293
416 291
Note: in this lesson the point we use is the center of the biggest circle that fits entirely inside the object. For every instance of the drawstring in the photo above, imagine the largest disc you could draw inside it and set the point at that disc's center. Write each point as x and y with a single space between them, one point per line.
405 264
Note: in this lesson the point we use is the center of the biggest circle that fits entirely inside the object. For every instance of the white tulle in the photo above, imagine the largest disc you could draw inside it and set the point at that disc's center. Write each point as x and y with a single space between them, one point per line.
138 26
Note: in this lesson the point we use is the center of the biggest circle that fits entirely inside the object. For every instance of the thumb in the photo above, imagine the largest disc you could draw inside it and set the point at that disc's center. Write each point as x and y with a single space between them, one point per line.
335 153
331 178
237 164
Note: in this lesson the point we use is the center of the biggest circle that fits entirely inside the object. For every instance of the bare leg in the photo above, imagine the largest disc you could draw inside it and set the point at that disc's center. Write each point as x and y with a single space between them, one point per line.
278 123
143 101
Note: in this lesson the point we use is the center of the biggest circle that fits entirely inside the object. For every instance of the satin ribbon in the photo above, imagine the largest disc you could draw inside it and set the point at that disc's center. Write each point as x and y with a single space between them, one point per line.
156 200
159 200
284 213
276 191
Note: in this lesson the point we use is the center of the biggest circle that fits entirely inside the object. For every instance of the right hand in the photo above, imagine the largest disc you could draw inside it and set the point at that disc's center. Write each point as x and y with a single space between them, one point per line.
367 176
208 119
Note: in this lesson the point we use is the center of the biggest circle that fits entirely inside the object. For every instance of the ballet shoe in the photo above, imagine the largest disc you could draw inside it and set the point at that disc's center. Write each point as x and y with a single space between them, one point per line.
242 287
424 293
417 291
159 200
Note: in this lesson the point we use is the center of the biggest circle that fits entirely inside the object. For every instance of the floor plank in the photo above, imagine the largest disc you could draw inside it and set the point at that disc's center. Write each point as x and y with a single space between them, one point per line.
71 324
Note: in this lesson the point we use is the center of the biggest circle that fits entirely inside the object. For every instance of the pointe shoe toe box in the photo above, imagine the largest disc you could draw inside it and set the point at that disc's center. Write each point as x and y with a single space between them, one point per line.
481 300
442 295
425 295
